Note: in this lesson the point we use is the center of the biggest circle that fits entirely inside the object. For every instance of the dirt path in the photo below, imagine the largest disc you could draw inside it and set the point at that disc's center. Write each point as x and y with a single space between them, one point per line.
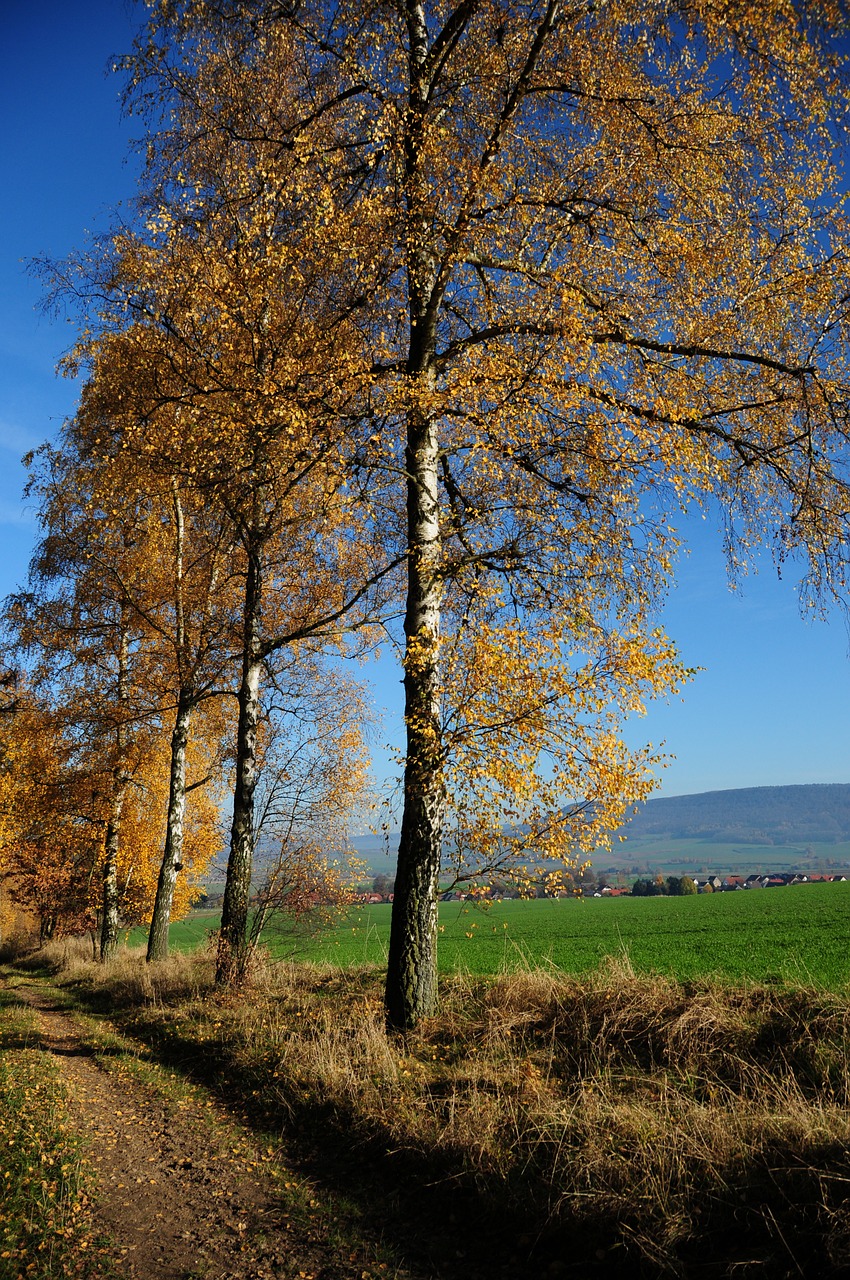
178 1205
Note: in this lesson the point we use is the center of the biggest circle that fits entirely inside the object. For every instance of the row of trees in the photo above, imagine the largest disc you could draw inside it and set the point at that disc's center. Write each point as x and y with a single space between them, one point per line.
429 320
672 886
114 762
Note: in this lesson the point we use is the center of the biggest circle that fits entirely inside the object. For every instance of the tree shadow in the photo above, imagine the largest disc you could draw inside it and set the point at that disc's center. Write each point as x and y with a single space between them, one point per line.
433 1215
441 1220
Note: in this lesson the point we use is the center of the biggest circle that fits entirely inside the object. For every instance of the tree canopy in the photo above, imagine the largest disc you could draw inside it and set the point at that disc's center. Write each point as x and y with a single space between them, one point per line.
492 292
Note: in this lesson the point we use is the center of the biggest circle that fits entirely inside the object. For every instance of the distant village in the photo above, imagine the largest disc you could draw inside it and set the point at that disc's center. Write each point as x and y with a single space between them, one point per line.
773 880
678 886
598 887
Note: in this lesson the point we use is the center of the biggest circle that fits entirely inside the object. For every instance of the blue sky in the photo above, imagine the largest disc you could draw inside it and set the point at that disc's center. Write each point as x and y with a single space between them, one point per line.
772 705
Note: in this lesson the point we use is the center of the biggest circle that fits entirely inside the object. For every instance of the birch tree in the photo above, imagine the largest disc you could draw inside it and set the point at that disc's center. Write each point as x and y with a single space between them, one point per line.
214 356
51 838
119 539
81 652
601 276
59 807
312 789
625 271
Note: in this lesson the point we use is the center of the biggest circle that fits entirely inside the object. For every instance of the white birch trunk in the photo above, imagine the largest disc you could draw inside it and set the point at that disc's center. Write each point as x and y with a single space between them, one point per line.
172 859
411 990
120 782
233 947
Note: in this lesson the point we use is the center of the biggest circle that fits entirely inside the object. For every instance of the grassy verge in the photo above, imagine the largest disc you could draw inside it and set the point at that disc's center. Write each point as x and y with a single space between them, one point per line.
614 1124
46 1228
324 1237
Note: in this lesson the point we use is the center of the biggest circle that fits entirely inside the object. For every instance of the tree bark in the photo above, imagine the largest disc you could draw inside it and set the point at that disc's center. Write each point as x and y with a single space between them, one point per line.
172 859
120 781
109 925
411 990
233 945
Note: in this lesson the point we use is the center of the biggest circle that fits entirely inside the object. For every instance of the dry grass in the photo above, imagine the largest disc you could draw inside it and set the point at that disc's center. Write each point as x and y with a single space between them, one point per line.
16 944
129 981
668 1125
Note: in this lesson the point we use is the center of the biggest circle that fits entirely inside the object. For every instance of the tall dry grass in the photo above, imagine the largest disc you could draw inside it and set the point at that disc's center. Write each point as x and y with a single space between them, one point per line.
660 1123
128 981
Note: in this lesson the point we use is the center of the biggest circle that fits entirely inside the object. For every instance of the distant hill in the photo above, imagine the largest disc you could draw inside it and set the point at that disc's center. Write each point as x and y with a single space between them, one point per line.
752 815
379 854
764 816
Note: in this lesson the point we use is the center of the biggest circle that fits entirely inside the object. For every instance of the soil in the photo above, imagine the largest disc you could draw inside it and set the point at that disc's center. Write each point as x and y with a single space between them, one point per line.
176 1204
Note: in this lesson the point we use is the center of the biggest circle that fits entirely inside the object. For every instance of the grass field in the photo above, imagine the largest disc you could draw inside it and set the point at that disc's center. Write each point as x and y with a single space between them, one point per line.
797 935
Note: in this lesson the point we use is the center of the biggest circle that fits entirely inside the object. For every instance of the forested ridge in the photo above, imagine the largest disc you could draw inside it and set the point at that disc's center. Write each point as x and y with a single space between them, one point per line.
757 815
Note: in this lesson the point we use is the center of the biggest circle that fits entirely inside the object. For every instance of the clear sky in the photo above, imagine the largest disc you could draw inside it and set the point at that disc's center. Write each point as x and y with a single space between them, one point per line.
772 705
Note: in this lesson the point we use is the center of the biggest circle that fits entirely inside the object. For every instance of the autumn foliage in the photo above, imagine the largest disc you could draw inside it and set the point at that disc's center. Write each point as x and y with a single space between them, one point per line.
435 318
56 812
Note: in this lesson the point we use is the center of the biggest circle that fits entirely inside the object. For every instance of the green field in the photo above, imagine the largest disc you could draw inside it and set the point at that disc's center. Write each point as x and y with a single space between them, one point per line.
688 857
797 935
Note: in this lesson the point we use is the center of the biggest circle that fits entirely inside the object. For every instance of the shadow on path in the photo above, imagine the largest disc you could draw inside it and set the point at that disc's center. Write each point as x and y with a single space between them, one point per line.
430 1212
